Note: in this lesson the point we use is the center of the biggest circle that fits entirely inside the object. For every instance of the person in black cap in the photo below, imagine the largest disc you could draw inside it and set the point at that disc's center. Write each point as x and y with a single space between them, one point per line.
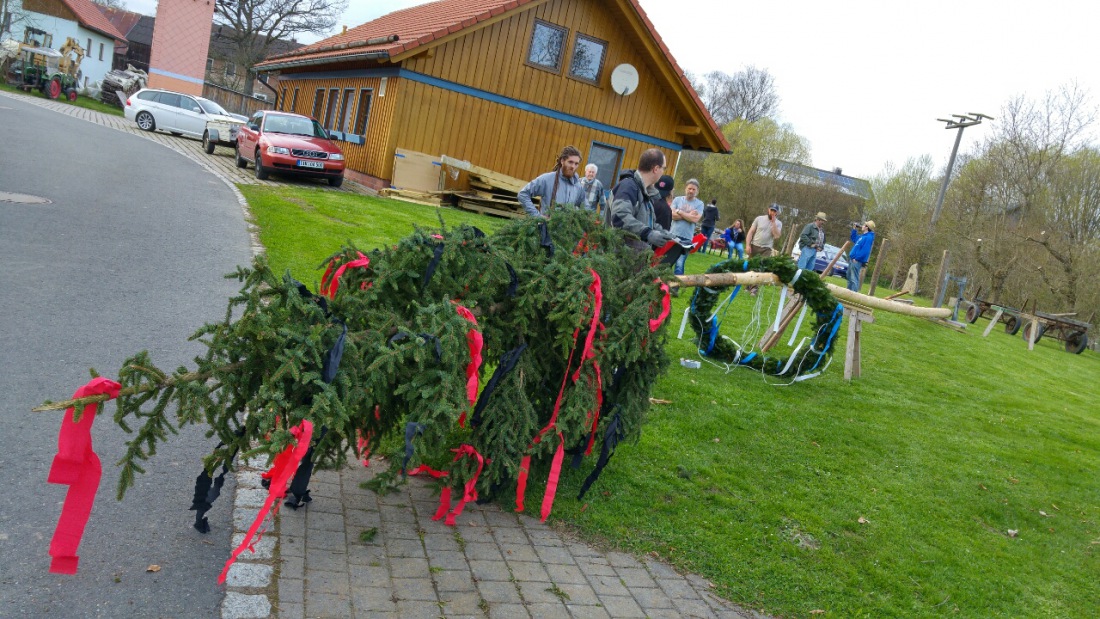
662 208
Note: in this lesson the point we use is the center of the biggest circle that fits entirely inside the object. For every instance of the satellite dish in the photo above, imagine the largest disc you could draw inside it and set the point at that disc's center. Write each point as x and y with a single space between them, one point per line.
624 79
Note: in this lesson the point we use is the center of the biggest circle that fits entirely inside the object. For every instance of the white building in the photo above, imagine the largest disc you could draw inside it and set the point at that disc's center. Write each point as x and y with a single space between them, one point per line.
49 23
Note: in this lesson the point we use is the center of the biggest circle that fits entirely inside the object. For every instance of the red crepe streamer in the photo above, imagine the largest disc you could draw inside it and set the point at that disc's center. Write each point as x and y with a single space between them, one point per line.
666 304
282 470
662 250
555 466
697 242
76 465
329 287
475 342
469 491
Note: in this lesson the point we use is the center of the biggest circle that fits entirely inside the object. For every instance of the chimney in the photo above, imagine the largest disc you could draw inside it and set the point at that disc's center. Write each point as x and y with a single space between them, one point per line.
345 29
838 171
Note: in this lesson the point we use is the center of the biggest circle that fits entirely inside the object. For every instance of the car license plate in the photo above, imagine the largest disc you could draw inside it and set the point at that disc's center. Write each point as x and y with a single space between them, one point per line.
310 164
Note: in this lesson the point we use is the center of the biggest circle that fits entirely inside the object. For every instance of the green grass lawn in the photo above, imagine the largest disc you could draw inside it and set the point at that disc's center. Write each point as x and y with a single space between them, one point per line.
957 477
81 101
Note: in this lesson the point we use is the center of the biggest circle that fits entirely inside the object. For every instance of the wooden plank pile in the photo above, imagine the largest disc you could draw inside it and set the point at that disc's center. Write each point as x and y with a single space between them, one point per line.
489 193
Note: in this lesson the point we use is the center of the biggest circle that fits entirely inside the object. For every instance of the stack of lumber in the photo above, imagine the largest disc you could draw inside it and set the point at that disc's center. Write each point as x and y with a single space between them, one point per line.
428 198
489 193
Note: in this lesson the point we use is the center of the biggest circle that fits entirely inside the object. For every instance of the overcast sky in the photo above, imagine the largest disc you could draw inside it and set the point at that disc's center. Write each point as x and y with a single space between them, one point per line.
865 80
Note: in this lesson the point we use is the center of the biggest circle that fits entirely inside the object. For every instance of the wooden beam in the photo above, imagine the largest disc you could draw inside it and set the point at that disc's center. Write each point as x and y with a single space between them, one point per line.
878 265
688 130
852 354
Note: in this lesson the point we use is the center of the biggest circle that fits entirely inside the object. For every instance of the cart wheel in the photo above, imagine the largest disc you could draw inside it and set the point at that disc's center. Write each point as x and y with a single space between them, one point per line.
1031 325
70 94
52 88
207 145
1012 325
1077 342
241 161
973 312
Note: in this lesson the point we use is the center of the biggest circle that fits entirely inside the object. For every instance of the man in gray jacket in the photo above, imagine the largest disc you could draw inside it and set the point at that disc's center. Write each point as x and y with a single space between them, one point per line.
559 186
631 209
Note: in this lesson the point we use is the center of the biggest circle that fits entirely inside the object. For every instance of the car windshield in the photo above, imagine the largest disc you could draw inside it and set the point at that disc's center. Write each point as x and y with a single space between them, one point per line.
210 107
294 125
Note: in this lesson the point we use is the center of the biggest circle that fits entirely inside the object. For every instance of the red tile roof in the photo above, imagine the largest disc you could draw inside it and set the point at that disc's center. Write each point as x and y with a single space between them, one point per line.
91 18
121 19
413 27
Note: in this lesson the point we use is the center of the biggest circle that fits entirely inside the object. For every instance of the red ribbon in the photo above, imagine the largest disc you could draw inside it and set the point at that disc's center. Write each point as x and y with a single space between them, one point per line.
475 342
284 467
76 465
587 352
664 249
697 242
469 491
329 287
666 303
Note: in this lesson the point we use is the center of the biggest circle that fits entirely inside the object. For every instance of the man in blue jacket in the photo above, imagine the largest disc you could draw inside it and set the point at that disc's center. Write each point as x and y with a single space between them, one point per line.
863 237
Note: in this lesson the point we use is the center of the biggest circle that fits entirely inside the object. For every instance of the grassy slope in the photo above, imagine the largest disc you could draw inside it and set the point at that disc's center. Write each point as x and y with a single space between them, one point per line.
81 101
948 441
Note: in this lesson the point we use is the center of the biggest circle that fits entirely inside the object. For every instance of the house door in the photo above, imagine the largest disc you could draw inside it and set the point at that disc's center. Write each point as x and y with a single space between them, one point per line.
608 160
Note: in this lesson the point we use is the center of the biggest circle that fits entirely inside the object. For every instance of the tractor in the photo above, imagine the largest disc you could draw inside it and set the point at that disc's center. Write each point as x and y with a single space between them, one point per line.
53 72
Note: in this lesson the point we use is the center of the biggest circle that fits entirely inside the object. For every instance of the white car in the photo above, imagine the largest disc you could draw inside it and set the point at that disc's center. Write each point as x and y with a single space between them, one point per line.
182 114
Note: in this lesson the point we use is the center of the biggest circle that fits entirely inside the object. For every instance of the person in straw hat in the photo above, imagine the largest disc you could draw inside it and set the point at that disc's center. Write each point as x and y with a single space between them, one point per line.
811 241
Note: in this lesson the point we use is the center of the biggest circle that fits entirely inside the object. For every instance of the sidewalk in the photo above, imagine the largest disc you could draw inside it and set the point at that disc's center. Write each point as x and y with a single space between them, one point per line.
319 561
494 563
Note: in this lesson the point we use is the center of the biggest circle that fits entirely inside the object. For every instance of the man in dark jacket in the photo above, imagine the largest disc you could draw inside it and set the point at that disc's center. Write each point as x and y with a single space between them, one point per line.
662 207
811 241
708 222
632 203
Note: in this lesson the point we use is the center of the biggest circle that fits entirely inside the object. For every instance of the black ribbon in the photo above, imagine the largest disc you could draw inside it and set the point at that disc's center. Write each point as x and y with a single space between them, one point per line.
513 281
611 438
411 430
437 255
507 362
544 239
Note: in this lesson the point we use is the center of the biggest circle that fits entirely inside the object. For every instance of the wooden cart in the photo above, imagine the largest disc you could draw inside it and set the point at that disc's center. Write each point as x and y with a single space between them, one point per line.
1010 316
1060 327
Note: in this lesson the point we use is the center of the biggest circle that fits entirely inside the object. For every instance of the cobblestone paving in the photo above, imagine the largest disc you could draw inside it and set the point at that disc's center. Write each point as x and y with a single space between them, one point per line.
494 563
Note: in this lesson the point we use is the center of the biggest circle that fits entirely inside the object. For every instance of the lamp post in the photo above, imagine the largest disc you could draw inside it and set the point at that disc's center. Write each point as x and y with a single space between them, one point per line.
960 122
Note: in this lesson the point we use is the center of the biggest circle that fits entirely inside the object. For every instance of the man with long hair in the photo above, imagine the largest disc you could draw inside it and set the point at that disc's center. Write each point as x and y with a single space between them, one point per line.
558 186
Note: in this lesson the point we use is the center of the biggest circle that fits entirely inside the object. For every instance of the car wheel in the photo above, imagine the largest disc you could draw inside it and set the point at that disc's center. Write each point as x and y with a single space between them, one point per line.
261 173
145 121
207 145
336 181
241 161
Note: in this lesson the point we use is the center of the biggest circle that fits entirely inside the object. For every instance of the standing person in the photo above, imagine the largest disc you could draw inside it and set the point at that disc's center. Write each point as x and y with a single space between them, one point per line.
863 237
735 239
709 220
631 203
559 186
594 198
662 207
764 232
811 241
687 210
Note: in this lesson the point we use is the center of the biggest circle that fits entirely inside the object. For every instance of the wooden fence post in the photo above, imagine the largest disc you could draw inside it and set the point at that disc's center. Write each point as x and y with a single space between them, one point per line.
937 299
878 265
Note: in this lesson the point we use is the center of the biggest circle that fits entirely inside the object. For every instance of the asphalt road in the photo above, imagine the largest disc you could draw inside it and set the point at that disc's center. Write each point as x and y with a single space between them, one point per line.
128 256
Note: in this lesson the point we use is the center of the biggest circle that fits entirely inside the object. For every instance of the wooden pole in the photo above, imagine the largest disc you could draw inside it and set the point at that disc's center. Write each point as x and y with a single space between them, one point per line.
937 299
851 354
771 338
829 269
878 266
888 306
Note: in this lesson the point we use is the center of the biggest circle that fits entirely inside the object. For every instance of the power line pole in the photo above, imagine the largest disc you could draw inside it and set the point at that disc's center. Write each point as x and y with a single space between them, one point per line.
961 121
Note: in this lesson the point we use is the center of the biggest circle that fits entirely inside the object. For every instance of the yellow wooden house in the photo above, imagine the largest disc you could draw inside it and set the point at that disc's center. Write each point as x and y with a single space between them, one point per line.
501 84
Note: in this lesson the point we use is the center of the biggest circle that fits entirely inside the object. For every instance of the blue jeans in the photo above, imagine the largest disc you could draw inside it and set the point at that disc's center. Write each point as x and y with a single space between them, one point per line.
740 247
807 259
854 267
707 231
682 260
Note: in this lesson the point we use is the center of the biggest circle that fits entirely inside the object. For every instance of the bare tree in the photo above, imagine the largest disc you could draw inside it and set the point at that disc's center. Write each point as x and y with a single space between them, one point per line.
255 25
750 94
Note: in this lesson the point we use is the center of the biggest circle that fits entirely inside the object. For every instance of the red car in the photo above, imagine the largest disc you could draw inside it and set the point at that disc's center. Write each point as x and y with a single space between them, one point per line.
289 144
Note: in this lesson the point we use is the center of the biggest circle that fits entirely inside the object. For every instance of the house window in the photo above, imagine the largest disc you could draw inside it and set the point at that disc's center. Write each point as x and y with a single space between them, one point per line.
318 102
607 159
363 114
294 101
588 54
209 65
547 46
230 69
346 110
88 49
282 101
101 51
330 114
